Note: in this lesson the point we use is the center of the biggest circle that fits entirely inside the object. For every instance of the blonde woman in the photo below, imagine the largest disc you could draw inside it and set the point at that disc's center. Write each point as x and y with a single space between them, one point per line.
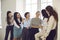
44 24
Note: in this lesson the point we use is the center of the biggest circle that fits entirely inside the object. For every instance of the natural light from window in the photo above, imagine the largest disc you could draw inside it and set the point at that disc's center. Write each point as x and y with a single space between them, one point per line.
31 6
45 3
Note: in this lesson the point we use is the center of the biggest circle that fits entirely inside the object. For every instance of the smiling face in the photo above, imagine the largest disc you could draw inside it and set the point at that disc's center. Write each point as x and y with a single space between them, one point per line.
10 14
18 15
37 14
28 15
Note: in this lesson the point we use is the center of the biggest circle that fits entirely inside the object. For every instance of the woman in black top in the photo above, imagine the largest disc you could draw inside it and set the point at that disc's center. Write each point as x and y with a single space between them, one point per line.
9 27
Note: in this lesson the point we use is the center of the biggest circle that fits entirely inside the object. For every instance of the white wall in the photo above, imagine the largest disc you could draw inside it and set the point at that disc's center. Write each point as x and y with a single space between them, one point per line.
56 4
0 13
5 6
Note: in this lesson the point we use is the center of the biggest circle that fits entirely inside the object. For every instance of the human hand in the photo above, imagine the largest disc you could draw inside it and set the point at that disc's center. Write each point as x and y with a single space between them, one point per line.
27 27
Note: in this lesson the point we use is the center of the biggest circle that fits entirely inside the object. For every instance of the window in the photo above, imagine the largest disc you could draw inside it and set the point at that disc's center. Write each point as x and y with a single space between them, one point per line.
44 3
31 6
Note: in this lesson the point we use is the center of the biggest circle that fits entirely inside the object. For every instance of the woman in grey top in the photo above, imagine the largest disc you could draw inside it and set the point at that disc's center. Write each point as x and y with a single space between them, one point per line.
35 24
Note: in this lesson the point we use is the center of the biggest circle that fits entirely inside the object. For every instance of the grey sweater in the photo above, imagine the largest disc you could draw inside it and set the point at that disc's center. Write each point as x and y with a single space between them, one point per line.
35 22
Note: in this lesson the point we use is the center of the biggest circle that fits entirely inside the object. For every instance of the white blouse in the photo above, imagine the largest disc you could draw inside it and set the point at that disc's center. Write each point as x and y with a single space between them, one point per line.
51 24
17 25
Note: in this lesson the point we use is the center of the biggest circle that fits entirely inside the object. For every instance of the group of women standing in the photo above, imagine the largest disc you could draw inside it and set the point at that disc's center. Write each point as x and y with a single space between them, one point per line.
28 29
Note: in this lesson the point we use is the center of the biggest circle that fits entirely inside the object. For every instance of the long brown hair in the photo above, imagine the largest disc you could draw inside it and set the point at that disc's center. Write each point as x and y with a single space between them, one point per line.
52 12
8 18
15 18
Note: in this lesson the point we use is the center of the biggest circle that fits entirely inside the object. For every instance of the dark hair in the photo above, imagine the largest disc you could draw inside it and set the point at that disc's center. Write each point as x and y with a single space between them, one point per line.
44 13
8 18
26 14
16 20
52 12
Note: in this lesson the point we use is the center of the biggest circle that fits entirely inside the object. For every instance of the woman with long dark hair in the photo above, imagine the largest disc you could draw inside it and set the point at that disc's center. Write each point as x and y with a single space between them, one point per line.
44 14
17 26
9 27
52 23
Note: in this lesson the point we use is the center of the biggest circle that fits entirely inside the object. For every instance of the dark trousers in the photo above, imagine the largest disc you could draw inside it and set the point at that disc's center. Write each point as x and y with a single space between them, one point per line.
9 29
33 31
25 34
51 35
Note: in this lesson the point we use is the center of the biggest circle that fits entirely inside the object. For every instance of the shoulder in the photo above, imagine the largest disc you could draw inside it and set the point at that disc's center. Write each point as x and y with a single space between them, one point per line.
51 18
45 19
40 19
32 18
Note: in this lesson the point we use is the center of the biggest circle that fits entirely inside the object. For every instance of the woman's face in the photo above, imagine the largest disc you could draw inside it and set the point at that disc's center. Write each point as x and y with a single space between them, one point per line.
10 15
37 14
47 13
28 16
18 15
